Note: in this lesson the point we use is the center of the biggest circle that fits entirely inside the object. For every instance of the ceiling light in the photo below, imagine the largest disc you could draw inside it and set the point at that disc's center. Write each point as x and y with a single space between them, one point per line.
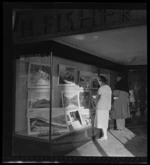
79 37
95 37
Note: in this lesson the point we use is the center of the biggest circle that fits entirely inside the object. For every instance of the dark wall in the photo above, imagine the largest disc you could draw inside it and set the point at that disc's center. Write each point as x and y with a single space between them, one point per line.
68 53
138 83
7 83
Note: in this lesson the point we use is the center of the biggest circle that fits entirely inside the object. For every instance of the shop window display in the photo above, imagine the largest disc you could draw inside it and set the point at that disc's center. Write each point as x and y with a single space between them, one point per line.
71 97
32 95
49 111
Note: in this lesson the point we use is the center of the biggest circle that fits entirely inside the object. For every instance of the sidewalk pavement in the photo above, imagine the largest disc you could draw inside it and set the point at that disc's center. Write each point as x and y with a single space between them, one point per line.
113 147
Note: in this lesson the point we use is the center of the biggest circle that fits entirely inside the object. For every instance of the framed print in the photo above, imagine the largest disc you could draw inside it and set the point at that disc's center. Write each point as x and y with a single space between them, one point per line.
38 98
39 75
94 83
38 121
59 123
75 119
86 116
66 75
84 99
85 79
70 99
107 76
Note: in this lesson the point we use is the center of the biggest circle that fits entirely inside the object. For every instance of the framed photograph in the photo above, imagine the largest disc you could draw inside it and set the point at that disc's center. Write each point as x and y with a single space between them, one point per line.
66 75
94 83
70 99
86 116
39 75
59 122
84 99
38 121
107 76
85 79
38 98
75 119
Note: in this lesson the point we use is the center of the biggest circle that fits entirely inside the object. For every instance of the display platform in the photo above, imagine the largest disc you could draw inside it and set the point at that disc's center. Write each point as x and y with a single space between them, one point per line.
25 145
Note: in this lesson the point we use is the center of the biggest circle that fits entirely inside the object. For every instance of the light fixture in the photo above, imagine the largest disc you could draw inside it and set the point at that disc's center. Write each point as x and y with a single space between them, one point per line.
79 37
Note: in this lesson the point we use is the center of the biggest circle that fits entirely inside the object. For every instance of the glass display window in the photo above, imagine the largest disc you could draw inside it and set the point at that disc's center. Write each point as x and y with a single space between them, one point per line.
33 99
48 111
33 80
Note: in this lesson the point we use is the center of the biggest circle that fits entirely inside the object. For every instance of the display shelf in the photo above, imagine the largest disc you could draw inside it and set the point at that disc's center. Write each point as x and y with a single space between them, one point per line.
24 135
31 145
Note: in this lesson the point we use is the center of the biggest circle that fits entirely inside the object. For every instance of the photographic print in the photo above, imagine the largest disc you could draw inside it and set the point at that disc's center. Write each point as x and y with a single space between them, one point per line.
75 119
38 98
95 84
59 123
85 79
38 121
86 117
66 75
84 99
38 76
70 99
107 76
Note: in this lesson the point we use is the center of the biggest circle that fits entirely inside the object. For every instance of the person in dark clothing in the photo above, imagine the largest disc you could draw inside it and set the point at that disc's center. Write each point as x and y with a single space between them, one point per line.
120 107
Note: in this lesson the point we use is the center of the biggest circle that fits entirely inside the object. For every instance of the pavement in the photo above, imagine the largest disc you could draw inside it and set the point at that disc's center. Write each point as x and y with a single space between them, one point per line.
132 142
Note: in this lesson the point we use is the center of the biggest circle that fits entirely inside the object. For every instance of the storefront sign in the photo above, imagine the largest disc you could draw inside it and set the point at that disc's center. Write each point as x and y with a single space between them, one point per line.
46 24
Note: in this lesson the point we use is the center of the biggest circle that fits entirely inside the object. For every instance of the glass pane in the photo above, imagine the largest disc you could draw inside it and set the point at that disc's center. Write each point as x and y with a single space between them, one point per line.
73 86
73 92
33 96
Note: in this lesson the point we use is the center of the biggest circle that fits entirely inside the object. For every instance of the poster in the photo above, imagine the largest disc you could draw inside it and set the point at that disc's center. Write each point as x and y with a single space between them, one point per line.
94 83
39 75
84 99
70 99
85 79
86 116
38 98
59 123
74 119
38 121
66 75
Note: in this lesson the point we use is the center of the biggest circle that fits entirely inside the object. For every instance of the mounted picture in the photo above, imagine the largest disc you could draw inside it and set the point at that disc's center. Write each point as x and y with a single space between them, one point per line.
84 99
107 76
85 79
75 119
38 98
70 99
59 123
38 121
95 84
66 75
39 75
86 116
